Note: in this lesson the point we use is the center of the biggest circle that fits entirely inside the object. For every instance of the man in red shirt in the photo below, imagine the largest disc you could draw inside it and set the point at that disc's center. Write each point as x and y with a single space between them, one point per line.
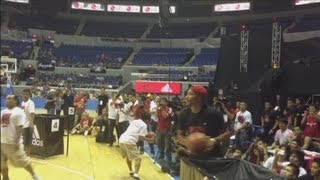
80 103
164 129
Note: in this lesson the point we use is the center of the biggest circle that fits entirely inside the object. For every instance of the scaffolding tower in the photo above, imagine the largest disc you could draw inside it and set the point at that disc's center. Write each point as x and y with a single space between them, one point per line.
244 45
276 45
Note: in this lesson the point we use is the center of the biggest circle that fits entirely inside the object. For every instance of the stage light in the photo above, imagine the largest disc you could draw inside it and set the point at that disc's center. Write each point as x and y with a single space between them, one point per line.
243 26
34 36
274 19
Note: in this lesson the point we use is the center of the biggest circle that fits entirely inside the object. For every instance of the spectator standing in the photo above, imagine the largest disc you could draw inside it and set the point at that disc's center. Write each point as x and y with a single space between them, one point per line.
68 99
29 109
102 100
164 133
243 127
80 103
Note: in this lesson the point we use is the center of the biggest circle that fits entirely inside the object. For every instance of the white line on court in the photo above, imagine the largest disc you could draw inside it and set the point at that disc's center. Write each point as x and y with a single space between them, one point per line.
158 165
64 168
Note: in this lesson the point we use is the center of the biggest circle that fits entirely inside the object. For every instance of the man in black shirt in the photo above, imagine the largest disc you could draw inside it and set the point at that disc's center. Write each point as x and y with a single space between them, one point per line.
198 117
267 121
102 101
67 98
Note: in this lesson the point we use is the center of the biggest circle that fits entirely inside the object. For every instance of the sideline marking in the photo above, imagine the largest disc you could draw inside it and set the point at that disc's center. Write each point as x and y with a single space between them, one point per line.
156 163
64 168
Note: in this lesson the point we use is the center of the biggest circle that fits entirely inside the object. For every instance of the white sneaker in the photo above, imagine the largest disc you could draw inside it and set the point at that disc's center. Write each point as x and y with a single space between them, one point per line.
36 177
136 176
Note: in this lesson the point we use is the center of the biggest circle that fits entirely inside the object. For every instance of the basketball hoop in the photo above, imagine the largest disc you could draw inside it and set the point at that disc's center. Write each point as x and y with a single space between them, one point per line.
8 66
3 72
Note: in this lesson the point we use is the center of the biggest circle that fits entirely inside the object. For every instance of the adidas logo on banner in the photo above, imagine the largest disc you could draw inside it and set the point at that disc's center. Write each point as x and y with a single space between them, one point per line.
36 140
166 89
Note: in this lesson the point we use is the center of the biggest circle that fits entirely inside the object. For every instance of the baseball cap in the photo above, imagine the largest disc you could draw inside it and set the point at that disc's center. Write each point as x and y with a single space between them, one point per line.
200 90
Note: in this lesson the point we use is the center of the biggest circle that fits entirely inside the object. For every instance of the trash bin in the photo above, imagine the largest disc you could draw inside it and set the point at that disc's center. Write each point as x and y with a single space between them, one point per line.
47 136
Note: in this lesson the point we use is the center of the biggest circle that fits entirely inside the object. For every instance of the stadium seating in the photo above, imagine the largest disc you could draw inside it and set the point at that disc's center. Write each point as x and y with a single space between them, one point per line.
79 80
180 75
307 24
86 56
19 49
207 77
207 56
162 56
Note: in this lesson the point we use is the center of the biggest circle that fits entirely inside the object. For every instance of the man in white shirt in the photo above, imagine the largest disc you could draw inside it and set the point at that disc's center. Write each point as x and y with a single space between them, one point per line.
29 109
12 122
283 134
242 127
154 118
136 131
123 117
112 116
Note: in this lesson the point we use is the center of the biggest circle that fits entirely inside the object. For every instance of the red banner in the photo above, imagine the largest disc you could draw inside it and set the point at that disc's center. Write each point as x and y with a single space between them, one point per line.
160 87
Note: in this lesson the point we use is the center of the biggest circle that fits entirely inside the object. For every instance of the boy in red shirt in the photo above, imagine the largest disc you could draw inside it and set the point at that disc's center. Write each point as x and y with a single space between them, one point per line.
84 125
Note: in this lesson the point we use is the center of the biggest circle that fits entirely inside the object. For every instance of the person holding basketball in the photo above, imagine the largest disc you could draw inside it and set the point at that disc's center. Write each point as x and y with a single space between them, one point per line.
198 117
136 131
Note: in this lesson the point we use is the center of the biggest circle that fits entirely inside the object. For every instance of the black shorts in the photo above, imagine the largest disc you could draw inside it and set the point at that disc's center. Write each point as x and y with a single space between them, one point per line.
27 136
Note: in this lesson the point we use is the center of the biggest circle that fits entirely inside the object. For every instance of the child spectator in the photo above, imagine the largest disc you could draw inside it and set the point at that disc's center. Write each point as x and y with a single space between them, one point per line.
136 131
84 125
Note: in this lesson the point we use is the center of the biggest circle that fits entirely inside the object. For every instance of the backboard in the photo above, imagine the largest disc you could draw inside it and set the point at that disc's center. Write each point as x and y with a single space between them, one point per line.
9 65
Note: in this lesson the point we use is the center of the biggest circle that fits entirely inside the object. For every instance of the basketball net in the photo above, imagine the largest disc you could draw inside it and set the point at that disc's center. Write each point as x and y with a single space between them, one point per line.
5 74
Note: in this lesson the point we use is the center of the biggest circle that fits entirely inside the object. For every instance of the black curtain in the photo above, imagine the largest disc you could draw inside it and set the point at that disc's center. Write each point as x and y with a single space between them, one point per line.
259 61
301 67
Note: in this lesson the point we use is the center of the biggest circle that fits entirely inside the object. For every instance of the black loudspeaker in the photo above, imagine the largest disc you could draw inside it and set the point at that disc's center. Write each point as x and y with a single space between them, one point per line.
271 81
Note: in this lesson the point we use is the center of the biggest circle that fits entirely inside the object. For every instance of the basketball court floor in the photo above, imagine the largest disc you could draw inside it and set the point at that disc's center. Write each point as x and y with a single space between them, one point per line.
88 160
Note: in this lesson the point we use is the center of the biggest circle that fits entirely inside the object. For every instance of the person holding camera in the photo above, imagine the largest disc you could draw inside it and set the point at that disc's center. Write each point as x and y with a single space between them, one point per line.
225 108
102 100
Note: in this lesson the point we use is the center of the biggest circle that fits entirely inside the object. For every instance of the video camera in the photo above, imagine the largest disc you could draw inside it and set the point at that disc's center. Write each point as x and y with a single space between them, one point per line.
220 101
176 106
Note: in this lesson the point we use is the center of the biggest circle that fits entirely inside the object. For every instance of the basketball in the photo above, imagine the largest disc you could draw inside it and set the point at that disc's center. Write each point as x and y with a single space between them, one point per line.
197 142
150 134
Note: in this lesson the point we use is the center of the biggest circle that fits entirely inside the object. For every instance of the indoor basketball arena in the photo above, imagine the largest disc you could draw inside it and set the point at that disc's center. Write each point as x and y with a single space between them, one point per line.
160 89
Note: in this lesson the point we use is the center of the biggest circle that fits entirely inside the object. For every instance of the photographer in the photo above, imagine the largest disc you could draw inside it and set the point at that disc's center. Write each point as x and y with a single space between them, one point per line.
224 106
102 101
